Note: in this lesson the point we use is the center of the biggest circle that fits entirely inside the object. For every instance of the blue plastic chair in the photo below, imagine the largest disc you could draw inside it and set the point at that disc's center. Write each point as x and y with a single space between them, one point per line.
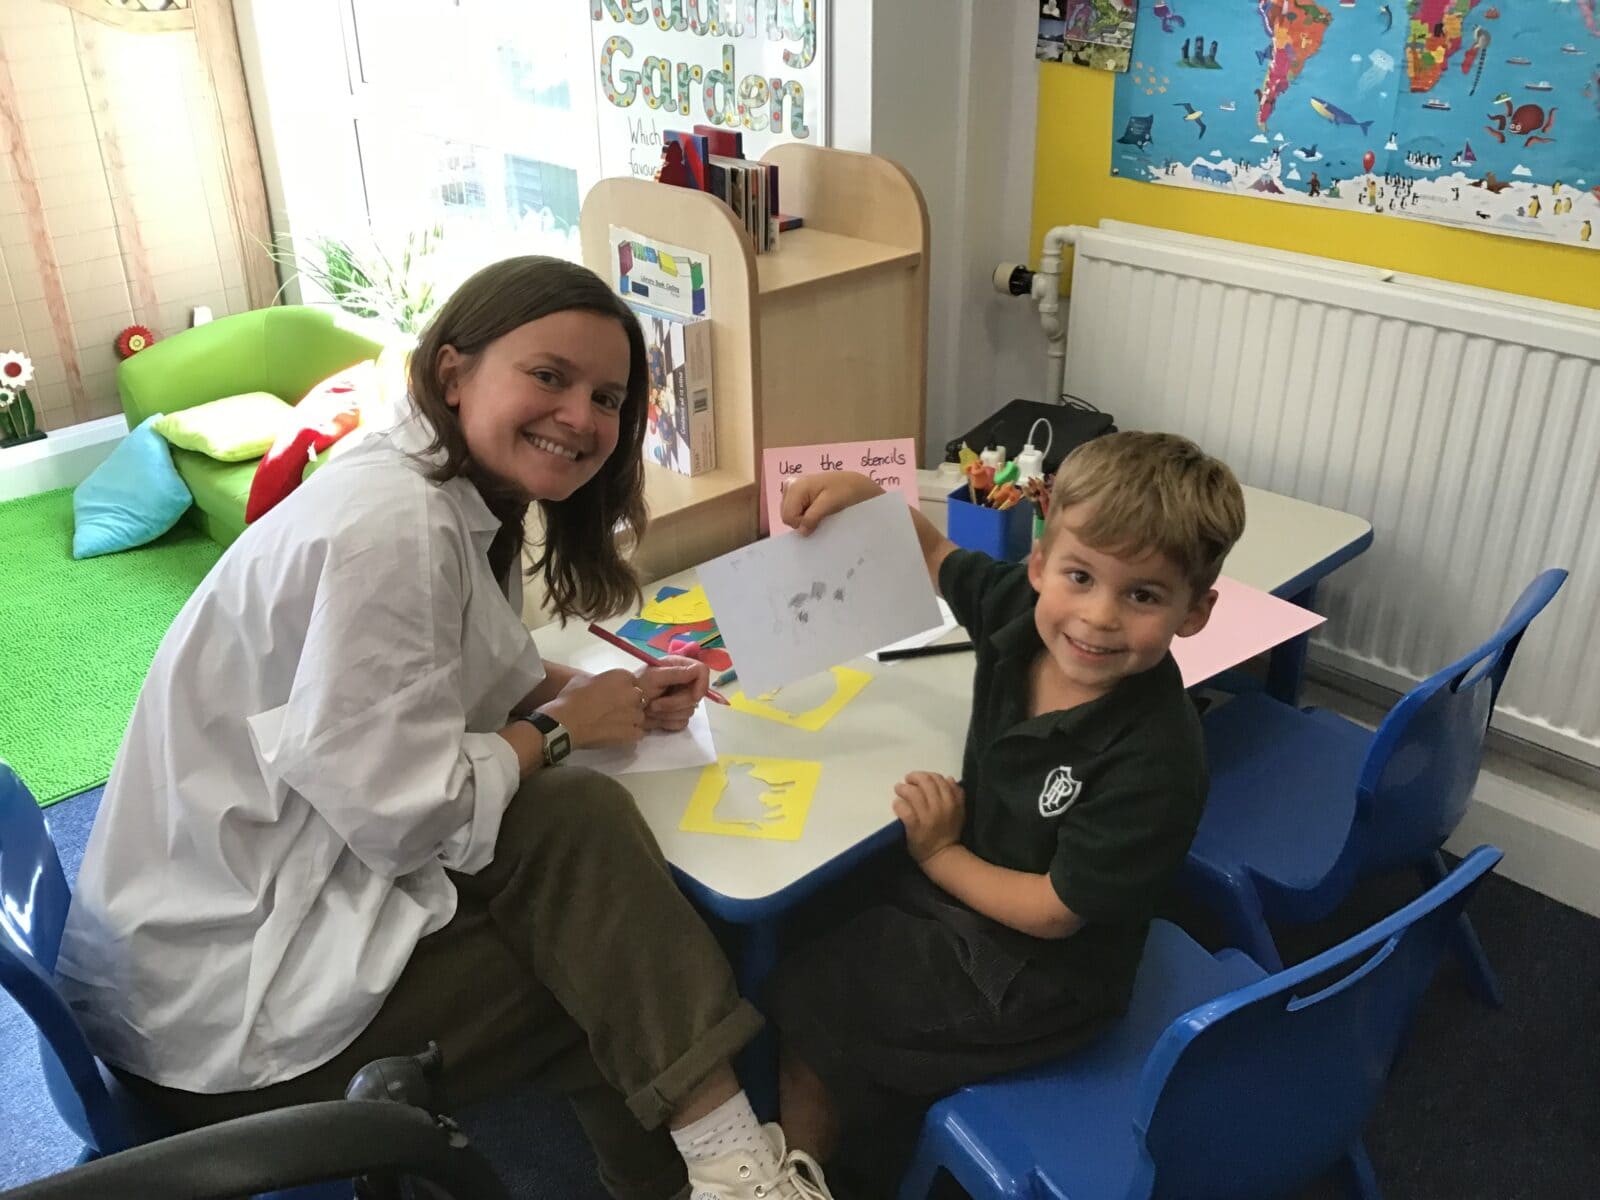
33 910
1305 804
1220 1083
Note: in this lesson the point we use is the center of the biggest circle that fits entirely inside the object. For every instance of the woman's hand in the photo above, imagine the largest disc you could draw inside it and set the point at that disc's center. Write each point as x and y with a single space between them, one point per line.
673 689
601 710
933 809
809 498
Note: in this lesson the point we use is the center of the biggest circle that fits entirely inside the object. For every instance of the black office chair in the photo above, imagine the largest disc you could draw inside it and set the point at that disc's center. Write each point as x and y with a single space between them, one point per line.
381 1139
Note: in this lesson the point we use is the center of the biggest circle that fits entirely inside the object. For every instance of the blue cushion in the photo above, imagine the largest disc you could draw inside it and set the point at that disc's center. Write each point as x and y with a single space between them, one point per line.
132 498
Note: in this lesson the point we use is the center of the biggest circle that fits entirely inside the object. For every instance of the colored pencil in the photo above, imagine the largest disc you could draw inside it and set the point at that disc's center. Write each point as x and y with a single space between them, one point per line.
924 651
627 647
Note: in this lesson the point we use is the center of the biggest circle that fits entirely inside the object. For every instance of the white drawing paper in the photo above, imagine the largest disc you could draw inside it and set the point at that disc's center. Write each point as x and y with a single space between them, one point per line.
689 747
790 606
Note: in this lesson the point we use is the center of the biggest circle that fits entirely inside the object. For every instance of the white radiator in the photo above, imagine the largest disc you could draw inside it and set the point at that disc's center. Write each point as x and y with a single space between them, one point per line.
1463 423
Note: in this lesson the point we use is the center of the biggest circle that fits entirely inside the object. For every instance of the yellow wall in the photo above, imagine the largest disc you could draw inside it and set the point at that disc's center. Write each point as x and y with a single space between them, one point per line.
1073 186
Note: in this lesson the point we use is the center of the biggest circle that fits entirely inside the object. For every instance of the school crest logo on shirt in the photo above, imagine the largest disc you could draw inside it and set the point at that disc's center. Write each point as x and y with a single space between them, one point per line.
1059 793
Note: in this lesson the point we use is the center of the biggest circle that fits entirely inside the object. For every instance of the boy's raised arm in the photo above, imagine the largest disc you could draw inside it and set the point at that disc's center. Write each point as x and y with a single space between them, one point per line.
810 498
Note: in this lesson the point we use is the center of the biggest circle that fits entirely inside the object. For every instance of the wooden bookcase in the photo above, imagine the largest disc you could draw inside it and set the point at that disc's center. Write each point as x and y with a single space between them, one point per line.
822 340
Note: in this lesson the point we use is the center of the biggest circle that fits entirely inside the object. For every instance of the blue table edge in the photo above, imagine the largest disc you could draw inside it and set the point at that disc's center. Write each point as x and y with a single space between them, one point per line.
761 909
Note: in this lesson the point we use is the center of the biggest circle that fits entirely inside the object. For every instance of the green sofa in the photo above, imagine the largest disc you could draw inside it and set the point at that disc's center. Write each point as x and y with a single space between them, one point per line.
284 350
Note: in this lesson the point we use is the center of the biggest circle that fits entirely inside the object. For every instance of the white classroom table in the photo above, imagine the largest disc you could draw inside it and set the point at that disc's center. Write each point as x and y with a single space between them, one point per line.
913 716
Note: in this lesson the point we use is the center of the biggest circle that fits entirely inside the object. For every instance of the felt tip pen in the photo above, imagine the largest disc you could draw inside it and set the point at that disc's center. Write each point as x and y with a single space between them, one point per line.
627 647
923 651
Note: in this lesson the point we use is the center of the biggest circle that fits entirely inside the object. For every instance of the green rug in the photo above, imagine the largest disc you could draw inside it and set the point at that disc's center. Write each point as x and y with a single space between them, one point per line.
76 639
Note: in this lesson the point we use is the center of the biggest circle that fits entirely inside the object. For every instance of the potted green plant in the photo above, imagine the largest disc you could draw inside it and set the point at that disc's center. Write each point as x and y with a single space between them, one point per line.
397 291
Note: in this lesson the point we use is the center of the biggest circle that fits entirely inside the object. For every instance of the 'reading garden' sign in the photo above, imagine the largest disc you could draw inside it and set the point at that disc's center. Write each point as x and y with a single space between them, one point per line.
756 66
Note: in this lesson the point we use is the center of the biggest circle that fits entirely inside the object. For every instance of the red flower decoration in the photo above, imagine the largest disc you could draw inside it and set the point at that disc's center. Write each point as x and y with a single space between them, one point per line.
133 339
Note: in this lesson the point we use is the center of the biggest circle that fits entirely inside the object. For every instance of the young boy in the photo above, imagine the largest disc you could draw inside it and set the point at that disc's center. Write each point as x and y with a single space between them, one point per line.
1017 934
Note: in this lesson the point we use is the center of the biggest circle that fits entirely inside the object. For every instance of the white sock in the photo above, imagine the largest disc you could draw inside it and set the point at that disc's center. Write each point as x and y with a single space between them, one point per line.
732 1125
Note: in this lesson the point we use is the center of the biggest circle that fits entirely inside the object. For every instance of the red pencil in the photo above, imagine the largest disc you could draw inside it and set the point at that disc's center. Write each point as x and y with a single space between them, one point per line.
628 647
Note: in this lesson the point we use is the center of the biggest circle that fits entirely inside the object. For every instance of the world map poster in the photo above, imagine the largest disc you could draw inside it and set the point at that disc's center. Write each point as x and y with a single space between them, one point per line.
1478 113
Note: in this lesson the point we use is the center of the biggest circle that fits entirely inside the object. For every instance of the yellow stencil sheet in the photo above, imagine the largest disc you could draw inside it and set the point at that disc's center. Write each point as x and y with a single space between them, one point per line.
847 681
689 608
739 808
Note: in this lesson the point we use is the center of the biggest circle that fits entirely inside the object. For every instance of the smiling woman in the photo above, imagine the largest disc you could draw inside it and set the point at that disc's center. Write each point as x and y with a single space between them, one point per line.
533 380
352 711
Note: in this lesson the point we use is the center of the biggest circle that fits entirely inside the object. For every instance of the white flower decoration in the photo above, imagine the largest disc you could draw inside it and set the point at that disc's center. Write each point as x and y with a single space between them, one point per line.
7 399
16 370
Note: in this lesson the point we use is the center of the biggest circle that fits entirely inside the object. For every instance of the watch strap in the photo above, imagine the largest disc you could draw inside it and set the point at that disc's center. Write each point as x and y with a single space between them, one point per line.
557 741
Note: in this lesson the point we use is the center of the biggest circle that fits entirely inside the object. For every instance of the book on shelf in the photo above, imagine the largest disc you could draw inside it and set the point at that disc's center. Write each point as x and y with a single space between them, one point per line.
756 207
680 430
696 149
708 159
770 208
743 186
727 142
728 184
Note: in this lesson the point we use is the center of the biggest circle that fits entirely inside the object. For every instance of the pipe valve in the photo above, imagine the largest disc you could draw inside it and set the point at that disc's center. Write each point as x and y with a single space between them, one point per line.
1013 279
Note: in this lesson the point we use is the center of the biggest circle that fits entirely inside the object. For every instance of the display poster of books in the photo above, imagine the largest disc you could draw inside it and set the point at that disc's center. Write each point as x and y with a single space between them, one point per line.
659 274
1483 114
757 66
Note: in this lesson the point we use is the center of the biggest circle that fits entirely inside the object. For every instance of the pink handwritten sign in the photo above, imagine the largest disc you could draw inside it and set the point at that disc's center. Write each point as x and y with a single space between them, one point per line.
891 463
1245 622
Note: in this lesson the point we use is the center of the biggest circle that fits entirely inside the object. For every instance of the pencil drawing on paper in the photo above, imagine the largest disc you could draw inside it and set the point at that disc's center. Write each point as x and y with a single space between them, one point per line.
802 605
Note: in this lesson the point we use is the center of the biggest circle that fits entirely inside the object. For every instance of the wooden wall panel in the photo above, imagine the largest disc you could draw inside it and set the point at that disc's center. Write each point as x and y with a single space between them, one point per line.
120 200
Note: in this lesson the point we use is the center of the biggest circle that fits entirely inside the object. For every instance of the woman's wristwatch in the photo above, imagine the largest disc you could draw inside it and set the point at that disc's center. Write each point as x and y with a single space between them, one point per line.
557 741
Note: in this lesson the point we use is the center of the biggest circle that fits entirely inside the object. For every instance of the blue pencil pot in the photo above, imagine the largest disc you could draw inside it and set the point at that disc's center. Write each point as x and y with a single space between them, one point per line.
1005 534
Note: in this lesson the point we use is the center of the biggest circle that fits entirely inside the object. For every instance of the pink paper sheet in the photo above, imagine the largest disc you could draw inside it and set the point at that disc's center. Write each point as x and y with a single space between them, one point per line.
1245 622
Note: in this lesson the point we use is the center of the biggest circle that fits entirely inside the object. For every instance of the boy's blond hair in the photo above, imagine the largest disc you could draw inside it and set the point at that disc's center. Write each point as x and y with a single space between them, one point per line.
1151 491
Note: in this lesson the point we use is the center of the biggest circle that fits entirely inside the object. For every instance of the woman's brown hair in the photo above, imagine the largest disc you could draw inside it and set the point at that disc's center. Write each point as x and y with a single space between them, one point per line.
583 571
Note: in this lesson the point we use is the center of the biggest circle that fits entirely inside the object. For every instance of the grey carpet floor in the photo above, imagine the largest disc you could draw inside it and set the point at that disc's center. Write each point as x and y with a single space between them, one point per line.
1483 1104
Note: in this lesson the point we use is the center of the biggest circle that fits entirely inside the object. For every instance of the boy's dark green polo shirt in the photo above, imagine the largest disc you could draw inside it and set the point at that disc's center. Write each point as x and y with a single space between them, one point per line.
1103 797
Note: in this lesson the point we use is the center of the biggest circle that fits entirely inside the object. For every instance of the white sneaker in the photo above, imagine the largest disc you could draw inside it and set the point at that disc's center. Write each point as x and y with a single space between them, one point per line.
740 1176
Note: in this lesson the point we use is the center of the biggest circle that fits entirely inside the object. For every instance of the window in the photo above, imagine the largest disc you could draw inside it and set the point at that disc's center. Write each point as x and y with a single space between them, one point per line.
460 184
490 119
540 188
470 116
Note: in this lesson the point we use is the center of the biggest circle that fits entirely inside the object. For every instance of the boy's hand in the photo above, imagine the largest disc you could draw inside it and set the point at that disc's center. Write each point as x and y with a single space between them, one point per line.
672 691
933 809
809 498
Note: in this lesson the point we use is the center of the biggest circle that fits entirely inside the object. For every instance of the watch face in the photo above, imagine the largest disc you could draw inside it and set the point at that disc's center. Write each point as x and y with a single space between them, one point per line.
558 745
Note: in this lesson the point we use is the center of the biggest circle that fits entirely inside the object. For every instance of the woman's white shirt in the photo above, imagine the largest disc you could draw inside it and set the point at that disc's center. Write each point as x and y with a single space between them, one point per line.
314 746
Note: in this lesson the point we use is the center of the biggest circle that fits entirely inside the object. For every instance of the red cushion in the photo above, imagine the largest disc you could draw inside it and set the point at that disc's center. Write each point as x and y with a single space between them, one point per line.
329 411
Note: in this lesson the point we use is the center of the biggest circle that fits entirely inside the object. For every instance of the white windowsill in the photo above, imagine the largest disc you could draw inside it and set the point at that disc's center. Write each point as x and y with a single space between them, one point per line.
64 458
